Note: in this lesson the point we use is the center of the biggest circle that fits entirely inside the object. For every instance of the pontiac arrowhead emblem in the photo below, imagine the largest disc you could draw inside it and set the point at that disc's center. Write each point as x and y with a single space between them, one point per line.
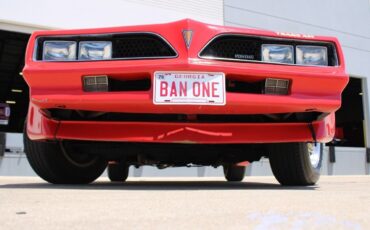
188 35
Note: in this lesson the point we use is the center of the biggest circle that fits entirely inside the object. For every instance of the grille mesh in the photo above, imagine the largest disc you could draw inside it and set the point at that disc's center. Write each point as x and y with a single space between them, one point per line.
141 45
233 47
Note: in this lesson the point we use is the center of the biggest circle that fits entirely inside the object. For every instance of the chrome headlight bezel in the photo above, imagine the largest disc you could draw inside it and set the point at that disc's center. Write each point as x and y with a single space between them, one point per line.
104 46
300 53
267 48
69 46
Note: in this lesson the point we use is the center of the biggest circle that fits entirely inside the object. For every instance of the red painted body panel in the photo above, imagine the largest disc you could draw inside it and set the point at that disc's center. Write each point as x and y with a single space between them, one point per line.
40 127
59 85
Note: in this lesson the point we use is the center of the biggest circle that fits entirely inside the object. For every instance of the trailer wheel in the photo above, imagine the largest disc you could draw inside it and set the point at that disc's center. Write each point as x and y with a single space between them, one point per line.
118 172
234 173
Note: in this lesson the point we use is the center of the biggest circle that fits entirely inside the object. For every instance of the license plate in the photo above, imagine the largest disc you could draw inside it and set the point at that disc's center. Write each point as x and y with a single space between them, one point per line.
186 88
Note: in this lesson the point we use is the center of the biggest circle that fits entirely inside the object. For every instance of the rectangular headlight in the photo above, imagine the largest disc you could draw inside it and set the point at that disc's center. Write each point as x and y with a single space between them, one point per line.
95 50
59 51
312 55
277 53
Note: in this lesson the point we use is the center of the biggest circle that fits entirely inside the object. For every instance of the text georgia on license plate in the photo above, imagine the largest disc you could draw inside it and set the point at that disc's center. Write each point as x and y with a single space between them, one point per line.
189 88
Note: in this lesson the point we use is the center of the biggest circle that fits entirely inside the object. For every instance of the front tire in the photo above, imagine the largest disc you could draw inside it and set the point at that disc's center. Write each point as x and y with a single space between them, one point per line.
296 164
52 162
234 173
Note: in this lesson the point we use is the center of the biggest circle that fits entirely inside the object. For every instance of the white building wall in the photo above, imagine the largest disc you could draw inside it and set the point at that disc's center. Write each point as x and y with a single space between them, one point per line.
98 13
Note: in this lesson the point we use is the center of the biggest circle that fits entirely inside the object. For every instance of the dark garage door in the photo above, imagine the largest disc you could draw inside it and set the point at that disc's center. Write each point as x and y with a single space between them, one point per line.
13 89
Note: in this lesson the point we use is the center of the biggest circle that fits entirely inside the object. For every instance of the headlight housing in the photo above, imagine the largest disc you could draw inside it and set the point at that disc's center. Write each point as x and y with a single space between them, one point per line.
66 50
277 53
95 50
312 55
59 51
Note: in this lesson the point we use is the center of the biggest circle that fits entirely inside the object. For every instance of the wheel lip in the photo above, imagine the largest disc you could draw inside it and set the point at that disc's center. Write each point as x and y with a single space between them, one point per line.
314 151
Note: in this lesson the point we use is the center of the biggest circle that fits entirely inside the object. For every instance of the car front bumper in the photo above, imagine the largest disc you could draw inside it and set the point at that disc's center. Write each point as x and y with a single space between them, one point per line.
311 91
42 128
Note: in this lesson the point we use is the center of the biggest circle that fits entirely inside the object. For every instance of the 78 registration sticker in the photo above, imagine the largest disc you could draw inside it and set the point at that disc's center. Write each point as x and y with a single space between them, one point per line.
189 88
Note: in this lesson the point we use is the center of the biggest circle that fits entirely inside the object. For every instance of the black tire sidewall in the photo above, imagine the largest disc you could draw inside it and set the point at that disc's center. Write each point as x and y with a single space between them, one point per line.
49 162
291 164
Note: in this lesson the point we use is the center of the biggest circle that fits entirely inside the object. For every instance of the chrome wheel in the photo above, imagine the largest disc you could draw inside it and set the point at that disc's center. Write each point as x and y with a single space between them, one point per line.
314 151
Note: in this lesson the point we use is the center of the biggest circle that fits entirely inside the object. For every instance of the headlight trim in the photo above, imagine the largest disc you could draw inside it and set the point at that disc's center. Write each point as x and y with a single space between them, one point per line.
314 47
280 46
86 43
71 49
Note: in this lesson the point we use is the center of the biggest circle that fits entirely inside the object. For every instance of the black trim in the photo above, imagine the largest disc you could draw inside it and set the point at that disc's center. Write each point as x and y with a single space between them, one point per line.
332 154
2 144
123 85
74 115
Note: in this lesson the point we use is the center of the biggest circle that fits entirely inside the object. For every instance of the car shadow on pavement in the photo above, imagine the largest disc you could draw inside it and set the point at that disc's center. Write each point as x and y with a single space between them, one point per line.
161 185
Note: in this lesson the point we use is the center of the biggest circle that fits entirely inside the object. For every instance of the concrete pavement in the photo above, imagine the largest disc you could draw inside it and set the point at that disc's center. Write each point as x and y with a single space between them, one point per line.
337 202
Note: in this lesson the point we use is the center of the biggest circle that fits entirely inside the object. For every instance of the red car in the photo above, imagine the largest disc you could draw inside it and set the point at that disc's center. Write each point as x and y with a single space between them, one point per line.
180 94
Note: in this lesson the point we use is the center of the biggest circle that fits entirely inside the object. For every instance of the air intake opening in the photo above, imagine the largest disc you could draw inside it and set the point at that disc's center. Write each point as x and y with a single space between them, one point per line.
252 85
115 84
119 85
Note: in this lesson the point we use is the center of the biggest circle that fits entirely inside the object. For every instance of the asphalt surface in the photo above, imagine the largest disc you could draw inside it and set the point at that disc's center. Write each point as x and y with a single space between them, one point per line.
337 202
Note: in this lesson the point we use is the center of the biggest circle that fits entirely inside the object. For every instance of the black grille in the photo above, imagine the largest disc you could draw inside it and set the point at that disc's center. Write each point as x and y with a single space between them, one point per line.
141 45
120 85
248 48
233 47
124 46
237 86
73 115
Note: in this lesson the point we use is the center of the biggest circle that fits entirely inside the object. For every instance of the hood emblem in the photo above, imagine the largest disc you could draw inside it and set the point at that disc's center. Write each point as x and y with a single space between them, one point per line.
188 35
